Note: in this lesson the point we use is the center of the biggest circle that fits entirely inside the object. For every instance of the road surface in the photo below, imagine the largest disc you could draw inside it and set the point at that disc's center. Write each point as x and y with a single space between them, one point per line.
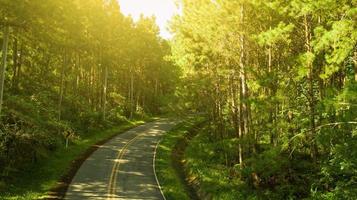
122 168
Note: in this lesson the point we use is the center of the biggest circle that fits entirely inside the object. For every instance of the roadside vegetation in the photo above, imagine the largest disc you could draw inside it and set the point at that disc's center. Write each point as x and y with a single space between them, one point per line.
268 174
171 179
277 81
37 179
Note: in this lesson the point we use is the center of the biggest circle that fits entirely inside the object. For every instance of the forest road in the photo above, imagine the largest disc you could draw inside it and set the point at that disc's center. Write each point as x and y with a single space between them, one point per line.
123 168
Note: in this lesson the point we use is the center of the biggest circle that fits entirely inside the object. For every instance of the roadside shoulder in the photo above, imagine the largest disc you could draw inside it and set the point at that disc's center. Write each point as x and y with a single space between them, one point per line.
169 165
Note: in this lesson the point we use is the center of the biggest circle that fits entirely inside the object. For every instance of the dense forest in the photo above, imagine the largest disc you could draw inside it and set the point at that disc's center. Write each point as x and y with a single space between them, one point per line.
276 81
72 67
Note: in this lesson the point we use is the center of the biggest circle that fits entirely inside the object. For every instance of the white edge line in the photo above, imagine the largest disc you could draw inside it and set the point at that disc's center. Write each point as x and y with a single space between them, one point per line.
153 161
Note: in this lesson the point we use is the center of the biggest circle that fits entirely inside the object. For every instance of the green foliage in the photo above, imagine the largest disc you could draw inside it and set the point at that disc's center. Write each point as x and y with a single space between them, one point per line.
171 182
206 163
277 80
268 174
279 34
339 170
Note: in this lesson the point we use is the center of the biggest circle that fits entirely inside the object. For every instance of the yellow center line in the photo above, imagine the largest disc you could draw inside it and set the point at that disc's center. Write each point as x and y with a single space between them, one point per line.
113 176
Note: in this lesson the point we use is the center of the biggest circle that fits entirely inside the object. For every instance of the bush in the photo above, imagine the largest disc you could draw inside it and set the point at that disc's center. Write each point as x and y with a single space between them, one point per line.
20 147
90 121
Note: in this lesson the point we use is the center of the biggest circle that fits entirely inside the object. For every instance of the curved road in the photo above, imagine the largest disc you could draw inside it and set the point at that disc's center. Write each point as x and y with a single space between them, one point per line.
122 168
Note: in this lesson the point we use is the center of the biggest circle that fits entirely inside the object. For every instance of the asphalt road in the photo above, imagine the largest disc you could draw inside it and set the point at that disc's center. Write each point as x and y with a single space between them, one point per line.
122 168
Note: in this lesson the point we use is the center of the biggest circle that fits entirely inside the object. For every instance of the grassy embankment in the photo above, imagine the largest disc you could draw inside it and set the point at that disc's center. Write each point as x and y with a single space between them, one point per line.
171 180
208 164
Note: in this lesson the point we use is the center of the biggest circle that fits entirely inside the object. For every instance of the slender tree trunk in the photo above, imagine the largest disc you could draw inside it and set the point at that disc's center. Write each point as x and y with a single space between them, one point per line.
92 86
156 95
240 131
137 104
88 79
15 61
131 93
243 78
219 109
78 72
105 91
271 93
62 86
20 61
99 84
314 150
243 130
234 104
3 64
355 62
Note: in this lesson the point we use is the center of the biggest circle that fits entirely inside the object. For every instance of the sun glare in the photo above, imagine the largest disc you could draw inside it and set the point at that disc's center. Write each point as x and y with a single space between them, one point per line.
163 10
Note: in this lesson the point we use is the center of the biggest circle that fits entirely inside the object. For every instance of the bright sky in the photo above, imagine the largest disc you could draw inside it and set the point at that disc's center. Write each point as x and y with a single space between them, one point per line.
162 9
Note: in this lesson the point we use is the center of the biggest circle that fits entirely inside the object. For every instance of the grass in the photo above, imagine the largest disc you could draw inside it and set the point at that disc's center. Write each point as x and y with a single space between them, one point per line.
35 181
170 181
206 165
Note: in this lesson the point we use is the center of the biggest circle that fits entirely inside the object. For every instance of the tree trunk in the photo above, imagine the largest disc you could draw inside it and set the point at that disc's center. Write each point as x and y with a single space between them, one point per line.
78 73
243 89
62 86
99 85
92 88
314 150
15 61
234 108
105 91
156 95
137 104
3 64
19 64
271 93
355 62
131 93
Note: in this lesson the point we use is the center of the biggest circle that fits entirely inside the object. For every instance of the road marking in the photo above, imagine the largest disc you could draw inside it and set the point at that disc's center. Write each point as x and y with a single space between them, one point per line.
153 166
114 174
